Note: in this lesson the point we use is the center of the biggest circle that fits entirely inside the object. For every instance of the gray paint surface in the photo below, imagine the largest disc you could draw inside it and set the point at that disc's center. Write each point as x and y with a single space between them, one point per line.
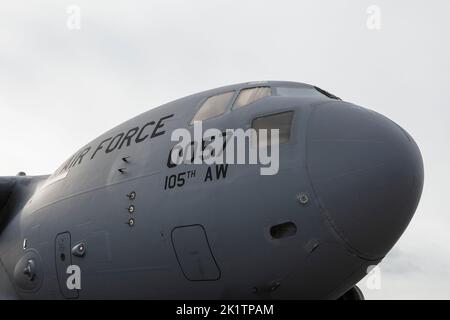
345 157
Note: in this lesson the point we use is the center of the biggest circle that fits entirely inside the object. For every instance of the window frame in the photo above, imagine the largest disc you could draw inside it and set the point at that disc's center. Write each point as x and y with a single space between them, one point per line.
248 88
292 138
323 92
227 108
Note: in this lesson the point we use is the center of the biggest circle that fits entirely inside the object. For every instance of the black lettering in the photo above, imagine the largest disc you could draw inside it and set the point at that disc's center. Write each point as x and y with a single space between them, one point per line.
130 134
193 150
181 180
139 138
80 157
172 181
85 152
221 171
170 163
100 146
160 125
74 160
68 163
225 140
114 143
208 175
213 151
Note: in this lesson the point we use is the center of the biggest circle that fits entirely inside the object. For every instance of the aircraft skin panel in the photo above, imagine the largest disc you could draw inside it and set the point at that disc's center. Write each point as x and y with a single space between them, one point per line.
139 226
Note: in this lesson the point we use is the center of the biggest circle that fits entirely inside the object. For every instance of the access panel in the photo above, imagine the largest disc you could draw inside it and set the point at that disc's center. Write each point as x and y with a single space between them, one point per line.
194 253
63 261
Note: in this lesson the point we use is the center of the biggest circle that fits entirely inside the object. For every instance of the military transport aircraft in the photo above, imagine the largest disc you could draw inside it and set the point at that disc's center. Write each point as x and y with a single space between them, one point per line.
119 219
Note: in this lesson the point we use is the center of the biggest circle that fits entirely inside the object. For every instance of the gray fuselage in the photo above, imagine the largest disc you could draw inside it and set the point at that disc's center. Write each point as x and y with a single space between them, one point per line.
348 184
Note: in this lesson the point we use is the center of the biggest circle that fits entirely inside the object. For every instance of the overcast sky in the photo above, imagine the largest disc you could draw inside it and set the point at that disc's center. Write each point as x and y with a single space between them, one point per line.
60 87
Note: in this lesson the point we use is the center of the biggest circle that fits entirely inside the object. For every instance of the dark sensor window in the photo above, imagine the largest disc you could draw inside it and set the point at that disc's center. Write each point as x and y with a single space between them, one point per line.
281 121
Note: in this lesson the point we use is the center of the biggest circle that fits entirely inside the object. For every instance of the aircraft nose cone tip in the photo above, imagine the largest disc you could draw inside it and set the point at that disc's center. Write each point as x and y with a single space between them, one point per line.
367 174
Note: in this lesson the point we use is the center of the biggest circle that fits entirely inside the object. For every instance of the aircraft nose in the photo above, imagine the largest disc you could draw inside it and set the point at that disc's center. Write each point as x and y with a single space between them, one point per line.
367 175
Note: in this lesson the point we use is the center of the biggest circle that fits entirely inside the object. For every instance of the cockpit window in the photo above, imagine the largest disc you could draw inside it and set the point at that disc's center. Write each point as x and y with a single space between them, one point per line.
304 92
247 96
329 95
281 121
213 106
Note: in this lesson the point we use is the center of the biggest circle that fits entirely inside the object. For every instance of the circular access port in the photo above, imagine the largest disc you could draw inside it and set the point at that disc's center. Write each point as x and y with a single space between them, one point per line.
28 272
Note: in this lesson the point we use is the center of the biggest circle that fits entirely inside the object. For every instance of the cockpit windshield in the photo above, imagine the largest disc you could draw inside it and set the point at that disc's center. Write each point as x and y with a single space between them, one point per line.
304 92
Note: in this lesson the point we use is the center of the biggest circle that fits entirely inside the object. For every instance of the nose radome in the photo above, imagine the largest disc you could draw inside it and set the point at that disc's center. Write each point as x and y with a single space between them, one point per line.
367 174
